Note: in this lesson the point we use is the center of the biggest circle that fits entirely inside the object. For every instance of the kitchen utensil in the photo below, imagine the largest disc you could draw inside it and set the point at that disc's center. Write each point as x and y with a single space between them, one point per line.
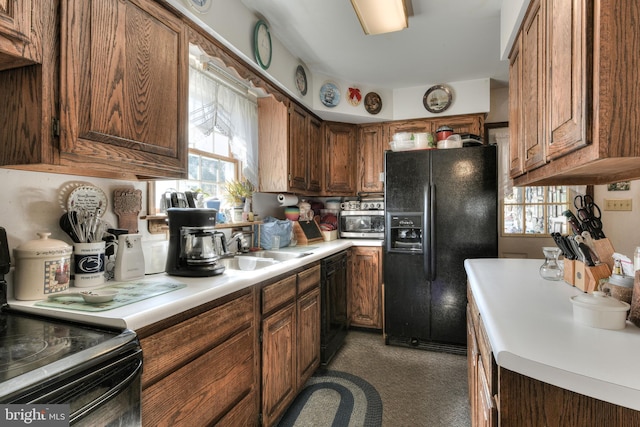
599 310
130 258
43 267
573 222
89 264
589 215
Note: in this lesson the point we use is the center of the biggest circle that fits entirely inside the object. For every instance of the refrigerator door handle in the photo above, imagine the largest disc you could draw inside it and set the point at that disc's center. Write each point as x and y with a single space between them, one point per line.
432 232
426 232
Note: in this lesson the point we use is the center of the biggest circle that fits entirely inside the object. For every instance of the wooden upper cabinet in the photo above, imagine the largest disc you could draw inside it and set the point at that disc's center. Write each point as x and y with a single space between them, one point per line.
532 118
466 123
315 155
19 43
371 147
413 126
516 163
298 148
339 164
289 148
567 102
580 105
124 87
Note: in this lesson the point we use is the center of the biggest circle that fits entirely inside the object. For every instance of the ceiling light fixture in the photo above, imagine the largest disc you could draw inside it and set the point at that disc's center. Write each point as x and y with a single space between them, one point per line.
381 16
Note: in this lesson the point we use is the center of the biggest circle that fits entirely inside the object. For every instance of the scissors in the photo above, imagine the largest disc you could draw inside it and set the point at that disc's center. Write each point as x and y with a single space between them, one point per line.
589 215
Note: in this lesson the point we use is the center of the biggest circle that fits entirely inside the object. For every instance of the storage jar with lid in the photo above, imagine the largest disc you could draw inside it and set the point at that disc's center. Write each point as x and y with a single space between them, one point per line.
599 310
43 267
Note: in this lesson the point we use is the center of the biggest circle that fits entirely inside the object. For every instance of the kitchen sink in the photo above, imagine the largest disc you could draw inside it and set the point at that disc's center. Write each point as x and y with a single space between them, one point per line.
278 256
234 264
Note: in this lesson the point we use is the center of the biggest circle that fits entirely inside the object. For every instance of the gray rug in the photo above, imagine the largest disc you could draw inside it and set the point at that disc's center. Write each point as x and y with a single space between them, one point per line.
333 398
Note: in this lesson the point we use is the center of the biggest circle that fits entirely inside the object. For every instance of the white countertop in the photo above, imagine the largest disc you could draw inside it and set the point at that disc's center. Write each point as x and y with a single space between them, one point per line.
530 325
197 292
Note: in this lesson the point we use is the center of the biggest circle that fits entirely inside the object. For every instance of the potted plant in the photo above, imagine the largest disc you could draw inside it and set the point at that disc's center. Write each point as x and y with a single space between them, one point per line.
238 192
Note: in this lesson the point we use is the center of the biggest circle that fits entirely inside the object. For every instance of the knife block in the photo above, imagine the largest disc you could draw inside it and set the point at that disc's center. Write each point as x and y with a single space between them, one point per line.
587 278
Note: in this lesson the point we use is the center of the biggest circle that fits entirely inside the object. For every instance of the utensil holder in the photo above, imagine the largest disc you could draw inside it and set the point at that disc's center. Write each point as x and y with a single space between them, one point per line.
604 250
569 271
586 278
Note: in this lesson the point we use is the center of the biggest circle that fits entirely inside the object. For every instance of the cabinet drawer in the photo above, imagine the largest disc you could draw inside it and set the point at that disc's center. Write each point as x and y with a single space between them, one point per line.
203 391
490 368
488 411
308 279
278 294
167 350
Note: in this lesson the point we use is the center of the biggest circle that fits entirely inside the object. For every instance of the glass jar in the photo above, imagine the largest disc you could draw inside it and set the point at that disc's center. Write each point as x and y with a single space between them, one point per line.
551 269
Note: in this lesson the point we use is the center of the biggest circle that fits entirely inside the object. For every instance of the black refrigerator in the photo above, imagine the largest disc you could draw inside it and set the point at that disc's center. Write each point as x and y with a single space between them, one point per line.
440 209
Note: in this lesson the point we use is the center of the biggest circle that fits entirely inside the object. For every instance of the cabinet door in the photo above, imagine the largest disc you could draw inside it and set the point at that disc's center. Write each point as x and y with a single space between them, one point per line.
340 168
371 146
308 335
567 101
278 363
472 123
516 163
298 148
365 279
413 126
124 87
15 18
532 118
315 155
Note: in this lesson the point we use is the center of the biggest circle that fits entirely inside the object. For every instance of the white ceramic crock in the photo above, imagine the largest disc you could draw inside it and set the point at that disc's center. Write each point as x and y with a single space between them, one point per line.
599 310
43 267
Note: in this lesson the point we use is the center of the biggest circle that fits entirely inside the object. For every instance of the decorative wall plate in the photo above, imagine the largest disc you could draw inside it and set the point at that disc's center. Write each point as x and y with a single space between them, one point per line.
372 103
200 6
301 80
437 99
354 96
330 94
262 44
87 197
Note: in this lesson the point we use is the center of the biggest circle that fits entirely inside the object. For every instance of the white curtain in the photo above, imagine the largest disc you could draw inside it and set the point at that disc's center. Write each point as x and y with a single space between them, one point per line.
215 105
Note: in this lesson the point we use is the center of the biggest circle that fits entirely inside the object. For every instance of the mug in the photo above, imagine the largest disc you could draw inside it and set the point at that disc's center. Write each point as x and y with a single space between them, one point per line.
89 263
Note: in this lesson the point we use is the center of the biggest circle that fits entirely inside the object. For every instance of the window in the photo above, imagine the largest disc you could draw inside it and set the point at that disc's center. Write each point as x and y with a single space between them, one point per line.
527 211
535 211
223 121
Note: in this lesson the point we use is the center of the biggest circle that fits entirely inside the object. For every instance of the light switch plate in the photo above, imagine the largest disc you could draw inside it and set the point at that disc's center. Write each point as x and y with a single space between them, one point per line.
617 204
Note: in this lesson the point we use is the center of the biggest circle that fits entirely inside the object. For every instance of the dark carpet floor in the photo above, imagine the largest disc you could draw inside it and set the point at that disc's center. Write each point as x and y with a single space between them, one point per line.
416 387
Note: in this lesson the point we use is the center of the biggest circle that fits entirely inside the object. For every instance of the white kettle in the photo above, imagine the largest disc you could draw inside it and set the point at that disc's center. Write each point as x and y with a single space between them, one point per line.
130 258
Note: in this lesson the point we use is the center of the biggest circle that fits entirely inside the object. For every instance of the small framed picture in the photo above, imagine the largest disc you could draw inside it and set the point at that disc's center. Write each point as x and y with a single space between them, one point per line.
619 186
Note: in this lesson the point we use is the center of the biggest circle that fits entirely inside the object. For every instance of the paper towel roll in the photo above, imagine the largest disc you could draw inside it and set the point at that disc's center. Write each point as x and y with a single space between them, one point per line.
287 199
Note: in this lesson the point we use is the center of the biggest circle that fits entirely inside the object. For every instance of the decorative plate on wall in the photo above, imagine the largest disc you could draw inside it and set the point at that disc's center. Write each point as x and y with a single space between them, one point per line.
262 44
437 99
201 6
330 94
372 103
354 96
301 80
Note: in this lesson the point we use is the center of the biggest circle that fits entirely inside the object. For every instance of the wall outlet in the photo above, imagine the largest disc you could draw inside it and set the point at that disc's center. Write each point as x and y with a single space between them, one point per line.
617 204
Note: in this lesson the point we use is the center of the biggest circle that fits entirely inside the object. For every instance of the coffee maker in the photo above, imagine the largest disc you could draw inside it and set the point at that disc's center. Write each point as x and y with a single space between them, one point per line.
195 247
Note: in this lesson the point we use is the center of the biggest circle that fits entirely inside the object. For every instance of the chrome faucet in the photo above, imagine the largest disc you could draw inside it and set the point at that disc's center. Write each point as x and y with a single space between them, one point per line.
241 242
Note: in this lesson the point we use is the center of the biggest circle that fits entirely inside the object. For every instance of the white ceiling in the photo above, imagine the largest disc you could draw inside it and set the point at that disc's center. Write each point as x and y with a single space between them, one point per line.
447 41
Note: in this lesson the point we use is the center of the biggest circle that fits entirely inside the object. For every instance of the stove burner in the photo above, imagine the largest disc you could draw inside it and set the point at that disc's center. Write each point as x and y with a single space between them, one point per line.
21 349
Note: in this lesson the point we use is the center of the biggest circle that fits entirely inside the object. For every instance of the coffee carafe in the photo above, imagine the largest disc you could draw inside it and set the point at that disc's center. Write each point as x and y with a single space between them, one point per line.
195 247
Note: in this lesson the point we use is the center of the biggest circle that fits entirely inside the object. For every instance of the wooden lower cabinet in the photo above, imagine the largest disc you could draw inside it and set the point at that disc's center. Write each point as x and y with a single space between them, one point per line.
201 367
278 363
365 282
500 397
290 339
